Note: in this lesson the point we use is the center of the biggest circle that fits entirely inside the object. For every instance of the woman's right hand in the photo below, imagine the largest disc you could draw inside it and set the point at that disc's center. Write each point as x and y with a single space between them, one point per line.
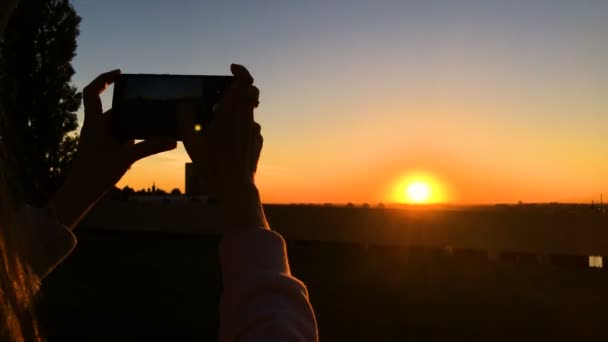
226 151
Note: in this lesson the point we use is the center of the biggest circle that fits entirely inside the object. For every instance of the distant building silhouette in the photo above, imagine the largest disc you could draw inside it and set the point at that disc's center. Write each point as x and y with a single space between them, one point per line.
193 181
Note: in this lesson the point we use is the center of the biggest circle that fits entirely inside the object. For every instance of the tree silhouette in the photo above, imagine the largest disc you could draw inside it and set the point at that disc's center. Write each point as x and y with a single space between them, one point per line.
37 96
128 191
159 192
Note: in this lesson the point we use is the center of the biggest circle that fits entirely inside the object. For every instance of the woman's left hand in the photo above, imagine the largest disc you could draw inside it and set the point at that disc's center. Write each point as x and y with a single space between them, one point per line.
101 159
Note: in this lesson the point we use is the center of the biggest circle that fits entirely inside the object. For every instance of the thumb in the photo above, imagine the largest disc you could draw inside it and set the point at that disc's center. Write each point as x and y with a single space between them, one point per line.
151 146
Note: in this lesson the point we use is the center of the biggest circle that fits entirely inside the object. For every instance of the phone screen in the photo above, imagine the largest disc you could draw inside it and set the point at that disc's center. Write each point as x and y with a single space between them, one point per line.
145 105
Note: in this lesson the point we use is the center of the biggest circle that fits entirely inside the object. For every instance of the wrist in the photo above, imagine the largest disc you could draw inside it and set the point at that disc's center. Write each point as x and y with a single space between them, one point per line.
241 208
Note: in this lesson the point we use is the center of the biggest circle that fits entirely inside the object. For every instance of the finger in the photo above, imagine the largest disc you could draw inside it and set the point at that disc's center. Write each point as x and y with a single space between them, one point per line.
242 75
90 93
244 108
150 147
257 141
257 128
243 80
102 81
259 145
253 94
237 100
239 88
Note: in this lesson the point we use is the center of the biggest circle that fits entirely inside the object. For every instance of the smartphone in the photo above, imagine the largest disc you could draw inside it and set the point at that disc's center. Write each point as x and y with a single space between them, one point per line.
145 105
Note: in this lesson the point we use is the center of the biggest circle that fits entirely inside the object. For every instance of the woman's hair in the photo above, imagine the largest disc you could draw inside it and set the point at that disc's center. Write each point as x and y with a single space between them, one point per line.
17 282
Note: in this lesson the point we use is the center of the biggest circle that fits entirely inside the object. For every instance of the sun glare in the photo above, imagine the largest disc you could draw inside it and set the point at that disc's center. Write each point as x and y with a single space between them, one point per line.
419 188
418 192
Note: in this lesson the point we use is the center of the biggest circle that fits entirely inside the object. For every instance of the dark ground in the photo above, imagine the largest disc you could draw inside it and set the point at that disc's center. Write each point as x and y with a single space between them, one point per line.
141 286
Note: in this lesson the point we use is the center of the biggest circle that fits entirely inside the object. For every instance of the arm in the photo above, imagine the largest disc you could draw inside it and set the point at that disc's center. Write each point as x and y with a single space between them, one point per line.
45 242
99 163
101 160
261 301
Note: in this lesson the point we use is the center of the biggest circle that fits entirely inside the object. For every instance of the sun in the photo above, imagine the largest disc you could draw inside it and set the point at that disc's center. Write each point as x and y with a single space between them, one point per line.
418 187
418 192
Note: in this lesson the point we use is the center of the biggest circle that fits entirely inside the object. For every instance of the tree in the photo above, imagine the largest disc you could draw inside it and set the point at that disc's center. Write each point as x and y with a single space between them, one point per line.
176 192
159 192
37 95
128 191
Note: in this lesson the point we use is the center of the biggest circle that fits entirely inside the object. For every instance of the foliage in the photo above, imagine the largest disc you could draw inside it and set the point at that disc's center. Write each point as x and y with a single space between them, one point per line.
38 98
128 191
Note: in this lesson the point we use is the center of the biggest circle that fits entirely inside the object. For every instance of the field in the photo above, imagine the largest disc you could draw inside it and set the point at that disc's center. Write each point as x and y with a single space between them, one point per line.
123 285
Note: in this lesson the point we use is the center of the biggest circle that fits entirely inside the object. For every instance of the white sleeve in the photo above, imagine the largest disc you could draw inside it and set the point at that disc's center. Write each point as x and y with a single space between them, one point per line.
46 242
261 300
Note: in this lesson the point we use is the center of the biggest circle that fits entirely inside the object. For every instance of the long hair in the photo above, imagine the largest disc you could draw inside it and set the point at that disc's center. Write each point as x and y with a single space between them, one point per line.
17 282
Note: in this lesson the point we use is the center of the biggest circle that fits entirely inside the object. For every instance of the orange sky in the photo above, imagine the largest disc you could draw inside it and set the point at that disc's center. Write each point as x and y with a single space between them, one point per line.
495 101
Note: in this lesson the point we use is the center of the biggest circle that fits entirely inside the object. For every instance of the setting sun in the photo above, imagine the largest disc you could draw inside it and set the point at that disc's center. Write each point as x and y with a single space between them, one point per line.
418 192
419 188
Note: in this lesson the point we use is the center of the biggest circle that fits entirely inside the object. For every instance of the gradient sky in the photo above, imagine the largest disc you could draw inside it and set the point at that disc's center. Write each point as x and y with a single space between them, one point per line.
494 101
